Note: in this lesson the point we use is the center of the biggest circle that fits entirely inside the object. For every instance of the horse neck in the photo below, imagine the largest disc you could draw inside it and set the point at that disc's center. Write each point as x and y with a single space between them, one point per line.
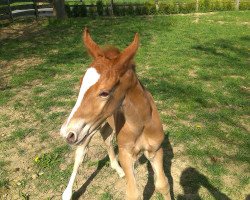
136 106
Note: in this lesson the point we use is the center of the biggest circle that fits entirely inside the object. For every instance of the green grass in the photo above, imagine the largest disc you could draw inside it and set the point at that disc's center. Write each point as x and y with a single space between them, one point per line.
52 159
196 67
21 134
106 196
4 181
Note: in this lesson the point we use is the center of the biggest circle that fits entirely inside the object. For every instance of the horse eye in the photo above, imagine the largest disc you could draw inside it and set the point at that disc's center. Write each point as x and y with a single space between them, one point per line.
104 94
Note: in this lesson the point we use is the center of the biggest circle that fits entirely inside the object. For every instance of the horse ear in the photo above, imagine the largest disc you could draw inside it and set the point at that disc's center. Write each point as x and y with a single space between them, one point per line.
93 49
129 52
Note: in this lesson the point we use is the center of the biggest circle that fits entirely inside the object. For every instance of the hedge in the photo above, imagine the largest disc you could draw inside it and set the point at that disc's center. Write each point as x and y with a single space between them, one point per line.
123 9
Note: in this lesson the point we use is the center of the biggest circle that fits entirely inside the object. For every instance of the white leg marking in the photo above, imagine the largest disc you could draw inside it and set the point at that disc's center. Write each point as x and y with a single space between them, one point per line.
80 152
115 165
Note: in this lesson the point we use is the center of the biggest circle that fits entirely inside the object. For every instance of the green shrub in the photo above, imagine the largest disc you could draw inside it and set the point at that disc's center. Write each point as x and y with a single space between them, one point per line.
68 11
130 10
165 8
116 10
122 10
150 8
92 11
99 6
216 5
137 10
107 11
205 5
228 5
83 12
244 5
187 7
140 9
174 8
191 7
75 11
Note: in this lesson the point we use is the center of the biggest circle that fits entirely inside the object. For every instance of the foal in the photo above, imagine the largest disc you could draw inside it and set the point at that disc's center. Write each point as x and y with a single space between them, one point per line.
114 102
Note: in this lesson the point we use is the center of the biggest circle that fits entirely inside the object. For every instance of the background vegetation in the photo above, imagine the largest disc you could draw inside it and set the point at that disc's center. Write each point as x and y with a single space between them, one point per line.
122 8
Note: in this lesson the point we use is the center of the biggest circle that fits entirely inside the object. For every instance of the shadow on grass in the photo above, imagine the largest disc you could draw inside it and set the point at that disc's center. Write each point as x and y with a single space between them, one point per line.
83 188
228 52
192 180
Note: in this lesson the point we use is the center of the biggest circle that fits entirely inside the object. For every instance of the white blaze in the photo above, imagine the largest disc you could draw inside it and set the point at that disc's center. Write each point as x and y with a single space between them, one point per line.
90 78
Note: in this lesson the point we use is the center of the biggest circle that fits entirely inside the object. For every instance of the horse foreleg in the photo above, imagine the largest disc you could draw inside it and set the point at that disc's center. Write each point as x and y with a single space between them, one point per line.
107 135
127 162
79 155
161 181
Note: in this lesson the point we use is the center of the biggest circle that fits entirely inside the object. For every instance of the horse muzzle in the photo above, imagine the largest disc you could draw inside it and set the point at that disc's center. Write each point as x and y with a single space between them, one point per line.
78 133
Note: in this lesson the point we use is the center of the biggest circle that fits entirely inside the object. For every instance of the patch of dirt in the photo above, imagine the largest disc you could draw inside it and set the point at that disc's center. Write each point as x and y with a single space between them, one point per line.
190 123
236 169
225 22
53 51
192 73
222 146
245 122
21 64
230 180
213 109
191 116
198 14
185 122
224 127
16 30
202 14
16 66
245 23
196 20
15 116
237 77
245 89
169 112
221 22
22 175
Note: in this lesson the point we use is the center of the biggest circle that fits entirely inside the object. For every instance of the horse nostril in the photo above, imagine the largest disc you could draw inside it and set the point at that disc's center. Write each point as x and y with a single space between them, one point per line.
71 138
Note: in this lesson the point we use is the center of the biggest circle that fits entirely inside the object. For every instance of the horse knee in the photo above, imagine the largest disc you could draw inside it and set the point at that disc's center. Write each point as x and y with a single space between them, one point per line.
162 185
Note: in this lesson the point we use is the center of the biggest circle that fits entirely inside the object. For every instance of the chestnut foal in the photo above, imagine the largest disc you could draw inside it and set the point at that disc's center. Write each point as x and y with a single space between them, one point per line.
113 102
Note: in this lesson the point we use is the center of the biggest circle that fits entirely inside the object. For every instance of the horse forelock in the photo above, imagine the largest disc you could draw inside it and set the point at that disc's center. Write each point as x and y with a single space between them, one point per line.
111 52
106 64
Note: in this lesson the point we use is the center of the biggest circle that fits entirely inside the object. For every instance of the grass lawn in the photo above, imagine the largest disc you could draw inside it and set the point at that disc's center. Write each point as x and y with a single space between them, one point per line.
197 68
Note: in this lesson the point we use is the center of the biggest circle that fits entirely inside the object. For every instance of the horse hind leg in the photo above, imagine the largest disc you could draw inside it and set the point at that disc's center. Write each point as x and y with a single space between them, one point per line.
161 181
107 134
